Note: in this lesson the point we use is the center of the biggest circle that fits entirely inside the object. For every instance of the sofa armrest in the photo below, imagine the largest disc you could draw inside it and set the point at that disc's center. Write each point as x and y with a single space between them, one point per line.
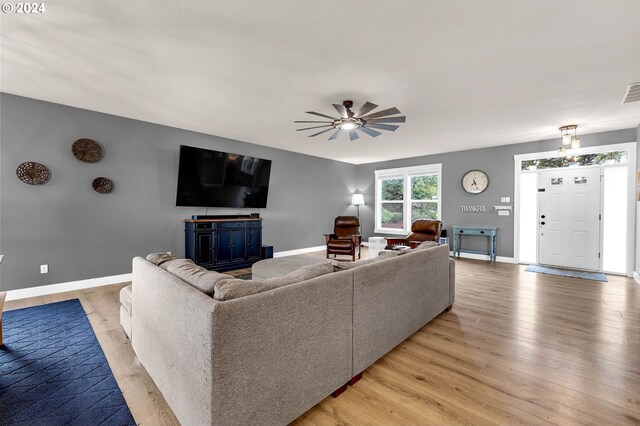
172 325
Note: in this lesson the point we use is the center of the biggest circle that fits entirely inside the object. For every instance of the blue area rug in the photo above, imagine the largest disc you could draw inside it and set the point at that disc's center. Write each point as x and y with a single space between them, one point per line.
53 370
594 276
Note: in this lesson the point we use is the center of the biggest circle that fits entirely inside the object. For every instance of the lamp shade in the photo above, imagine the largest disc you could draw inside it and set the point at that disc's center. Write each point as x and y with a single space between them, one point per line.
357 199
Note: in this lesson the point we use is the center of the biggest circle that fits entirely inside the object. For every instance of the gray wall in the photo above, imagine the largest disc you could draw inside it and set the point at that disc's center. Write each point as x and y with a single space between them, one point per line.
497 162
81 234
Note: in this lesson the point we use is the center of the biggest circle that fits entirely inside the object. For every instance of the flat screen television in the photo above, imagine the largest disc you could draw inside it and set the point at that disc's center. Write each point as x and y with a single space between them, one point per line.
209 178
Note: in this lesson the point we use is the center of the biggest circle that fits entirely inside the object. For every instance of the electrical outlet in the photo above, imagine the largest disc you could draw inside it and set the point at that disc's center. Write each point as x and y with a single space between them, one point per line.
503 212
44 269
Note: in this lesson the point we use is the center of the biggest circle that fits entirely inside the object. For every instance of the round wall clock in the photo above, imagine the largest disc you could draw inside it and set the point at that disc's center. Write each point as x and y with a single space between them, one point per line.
475 181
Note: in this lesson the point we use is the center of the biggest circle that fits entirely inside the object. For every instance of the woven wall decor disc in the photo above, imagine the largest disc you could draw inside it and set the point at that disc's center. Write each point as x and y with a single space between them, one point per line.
102 185
86 150
33 173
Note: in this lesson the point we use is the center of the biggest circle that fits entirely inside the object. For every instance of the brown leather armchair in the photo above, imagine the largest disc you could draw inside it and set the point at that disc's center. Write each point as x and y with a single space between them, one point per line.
421 230
346 237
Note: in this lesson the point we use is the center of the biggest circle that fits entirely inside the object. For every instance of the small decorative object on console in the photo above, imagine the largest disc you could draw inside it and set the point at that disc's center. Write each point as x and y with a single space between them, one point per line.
33 173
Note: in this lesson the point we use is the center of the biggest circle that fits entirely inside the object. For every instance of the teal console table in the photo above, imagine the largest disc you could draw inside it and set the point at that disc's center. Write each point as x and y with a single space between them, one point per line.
484 231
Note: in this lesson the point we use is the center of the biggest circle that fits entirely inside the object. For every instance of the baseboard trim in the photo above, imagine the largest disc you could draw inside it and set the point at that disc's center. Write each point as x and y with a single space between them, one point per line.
43 290
298 251
69 286
500 259
636 277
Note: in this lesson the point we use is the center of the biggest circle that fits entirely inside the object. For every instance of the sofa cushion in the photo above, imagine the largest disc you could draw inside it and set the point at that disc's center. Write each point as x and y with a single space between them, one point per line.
194 275
426 244
125 321
280 266
422 246
160 259
385 254
125 298
227 289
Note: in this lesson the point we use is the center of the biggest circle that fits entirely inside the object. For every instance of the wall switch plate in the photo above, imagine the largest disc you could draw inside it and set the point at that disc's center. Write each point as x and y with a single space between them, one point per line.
503 212
44 269
505 199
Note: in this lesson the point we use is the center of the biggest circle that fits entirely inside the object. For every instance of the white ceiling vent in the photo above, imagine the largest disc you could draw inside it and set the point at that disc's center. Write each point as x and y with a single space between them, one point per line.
632 94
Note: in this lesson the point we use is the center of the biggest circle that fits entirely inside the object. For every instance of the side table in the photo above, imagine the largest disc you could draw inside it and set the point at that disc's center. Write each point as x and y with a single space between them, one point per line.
376 245
486 231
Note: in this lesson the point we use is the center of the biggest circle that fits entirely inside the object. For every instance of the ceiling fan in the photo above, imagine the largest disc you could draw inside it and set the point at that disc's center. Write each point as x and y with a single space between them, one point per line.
350 121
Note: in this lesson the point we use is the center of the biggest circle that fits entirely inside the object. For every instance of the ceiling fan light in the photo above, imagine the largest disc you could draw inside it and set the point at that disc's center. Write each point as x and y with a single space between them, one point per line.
348 126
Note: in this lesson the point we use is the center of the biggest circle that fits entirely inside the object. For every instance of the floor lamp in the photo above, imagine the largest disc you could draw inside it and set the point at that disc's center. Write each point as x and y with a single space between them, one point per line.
357 200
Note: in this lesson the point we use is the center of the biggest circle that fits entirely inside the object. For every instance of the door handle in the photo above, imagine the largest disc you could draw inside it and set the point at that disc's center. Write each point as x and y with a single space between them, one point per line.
541 223
543 216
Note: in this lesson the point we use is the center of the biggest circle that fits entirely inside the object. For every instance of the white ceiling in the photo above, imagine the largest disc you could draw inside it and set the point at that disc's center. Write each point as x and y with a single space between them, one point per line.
466 73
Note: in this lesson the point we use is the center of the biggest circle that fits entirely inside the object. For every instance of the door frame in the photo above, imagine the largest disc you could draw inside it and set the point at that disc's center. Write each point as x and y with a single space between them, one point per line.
630 147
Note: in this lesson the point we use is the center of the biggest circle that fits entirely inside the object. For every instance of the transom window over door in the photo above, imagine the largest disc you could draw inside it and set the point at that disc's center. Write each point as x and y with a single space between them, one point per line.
406 194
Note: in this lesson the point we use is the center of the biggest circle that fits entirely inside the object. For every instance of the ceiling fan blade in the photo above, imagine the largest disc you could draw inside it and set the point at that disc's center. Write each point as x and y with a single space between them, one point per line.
315 127
320 115
300 121
341 110
319 133
335 135
400 119
383 113
382 126
370 132
353 135
368 106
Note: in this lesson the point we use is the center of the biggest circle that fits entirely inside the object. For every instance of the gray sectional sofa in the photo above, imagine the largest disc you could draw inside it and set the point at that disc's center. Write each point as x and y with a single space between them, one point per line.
265 351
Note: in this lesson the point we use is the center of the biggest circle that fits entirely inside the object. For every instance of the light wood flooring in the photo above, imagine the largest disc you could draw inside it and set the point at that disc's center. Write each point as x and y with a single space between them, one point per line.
517 348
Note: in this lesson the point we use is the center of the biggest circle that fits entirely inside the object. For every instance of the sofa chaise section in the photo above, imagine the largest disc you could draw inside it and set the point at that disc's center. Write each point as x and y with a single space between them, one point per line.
260 359
395 297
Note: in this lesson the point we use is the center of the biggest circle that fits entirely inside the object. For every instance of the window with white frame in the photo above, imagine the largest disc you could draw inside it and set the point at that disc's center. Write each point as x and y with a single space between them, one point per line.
406 194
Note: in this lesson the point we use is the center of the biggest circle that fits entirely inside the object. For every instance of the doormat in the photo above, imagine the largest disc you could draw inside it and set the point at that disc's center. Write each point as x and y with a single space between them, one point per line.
594 276
53 370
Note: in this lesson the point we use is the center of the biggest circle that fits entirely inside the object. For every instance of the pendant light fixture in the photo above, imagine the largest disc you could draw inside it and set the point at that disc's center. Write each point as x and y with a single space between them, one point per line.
567 139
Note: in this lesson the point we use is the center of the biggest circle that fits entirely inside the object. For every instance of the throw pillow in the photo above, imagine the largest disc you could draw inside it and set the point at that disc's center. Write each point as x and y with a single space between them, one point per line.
160 258
385 254
227 289
426 244
423 245
196 276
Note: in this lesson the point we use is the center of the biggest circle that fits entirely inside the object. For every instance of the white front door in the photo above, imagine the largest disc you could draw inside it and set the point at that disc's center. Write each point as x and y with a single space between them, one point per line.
569 218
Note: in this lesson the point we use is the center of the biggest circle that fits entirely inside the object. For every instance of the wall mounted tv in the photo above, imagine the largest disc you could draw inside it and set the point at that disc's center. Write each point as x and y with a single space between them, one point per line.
218 179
